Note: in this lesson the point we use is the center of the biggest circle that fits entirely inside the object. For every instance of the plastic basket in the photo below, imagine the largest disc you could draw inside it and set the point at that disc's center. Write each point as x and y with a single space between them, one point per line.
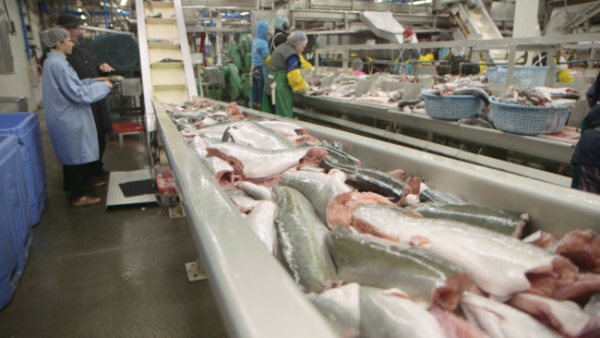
526 76
527 120
452 107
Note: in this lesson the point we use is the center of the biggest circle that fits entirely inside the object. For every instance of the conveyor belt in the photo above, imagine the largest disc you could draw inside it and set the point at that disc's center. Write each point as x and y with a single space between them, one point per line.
540 146
258 298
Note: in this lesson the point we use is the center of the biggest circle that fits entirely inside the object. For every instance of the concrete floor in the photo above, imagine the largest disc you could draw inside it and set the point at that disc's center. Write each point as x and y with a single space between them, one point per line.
115 273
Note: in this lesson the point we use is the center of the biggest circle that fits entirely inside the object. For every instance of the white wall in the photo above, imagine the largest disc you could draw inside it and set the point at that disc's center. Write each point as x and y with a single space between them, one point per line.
19 84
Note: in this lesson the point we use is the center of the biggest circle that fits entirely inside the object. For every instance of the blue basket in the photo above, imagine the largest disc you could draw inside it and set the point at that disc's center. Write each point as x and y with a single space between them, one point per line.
452 107
526 76
514 118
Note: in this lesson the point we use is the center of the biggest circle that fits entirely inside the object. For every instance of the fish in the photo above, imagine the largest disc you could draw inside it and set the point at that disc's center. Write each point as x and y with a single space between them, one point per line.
502 321
304 140
505 222
379 182
592 308
301 236
198 146
427 194
455 326
397 95
403 103
581 290
255 135
478 92
340 156
540 238
477 122
500 265
234 111
433 92
244 204
390 313
234 192
259 163
582 247
565 317
330 163
341 309
258 192
425 277
339 210
262 221
318 188
220 169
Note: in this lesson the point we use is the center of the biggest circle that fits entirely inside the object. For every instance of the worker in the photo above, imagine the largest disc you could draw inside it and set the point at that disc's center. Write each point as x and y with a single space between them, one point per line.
282 28
357 67
454 57
68 113
441 53
563 74
87 66
403 63
284 73
260 53
586 157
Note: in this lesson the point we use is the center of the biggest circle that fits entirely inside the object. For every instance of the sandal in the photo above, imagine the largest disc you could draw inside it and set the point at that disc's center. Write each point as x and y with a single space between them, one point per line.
86 200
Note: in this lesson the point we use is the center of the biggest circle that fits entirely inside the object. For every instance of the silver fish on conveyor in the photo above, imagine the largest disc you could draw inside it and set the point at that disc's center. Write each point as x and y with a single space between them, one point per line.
198 146
341 309
505 222
262 221
390 313
234 192
564 316
244 204
258 192
318 188
260 163
301 235
254 135
502 321
284 128
425 277
498 264
218 167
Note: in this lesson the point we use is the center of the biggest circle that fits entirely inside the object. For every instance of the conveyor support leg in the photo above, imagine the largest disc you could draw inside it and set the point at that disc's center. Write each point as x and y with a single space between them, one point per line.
195 271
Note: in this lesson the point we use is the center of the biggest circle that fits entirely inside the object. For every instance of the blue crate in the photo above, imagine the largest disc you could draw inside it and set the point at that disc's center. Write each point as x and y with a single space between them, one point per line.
452 107
526 120
27 128
525 76
15 232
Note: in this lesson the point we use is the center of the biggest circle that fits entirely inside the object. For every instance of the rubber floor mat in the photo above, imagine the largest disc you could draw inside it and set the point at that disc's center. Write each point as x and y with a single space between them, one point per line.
137 188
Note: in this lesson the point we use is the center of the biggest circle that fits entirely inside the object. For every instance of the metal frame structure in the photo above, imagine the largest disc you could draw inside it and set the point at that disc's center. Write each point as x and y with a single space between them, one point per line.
149 113
258 298
551 44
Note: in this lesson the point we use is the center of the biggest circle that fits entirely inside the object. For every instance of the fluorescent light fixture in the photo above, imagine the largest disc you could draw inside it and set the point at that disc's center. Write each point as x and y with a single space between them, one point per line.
421 2
244 13
82 17
123 2
79 9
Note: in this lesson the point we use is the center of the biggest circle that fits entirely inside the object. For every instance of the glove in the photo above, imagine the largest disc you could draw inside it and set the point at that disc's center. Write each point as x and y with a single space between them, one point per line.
306 88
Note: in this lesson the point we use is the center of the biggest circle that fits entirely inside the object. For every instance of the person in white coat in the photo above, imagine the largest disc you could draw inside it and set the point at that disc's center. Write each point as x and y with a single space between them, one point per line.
68 114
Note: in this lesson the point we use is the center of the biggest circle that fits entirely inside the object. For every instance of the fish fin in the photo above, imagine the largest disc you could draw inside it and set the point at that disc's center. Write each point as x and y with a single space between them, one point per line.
420 241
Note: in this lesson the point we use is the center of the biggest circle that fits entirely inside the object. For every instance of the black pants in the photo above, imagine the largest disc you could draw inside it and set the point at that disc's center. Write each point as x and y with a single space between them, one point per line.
97 168
73 178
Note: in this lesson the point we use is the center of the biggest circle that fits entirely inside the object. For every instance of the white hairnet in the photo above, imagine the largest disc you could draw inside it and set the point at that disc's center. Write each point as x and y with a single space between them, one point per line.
51 37
357 64
297 38
271 29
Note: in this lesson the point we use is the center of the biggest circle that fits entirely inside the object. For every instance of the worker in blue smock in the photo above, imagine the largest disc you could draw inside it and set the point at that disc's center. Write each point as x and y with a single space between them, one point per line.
69 115
284 74
403 63
260 53
586 157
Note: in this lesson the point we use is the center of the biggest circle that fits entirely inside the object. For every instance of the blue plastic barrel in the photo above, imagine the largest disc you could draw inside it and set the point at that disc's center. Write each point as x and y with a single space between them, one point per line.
15 232
26 128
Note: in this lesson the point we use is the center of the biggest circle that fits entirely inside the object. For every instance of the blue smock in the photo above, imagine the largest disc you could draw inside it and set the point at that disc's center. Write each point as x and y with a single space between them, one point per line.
260 48
68 113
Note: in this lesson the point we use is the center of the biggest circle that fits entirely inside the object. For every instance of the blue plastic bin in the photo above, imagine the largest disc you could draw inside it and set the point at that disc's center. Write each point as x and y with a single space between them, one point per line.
15 232
27 128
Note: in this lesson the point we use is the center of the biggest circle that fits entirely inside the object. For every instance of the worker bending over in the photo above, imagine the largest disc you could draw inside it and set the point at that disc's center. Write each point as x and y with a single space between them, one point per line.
284 74
357 67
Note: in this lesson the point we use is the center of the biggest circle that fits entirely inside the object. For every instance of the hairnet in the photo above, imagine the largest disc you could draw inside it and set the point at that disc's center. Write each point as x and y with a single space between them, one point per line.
282 23
271 29
51 37
297 38
357 64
